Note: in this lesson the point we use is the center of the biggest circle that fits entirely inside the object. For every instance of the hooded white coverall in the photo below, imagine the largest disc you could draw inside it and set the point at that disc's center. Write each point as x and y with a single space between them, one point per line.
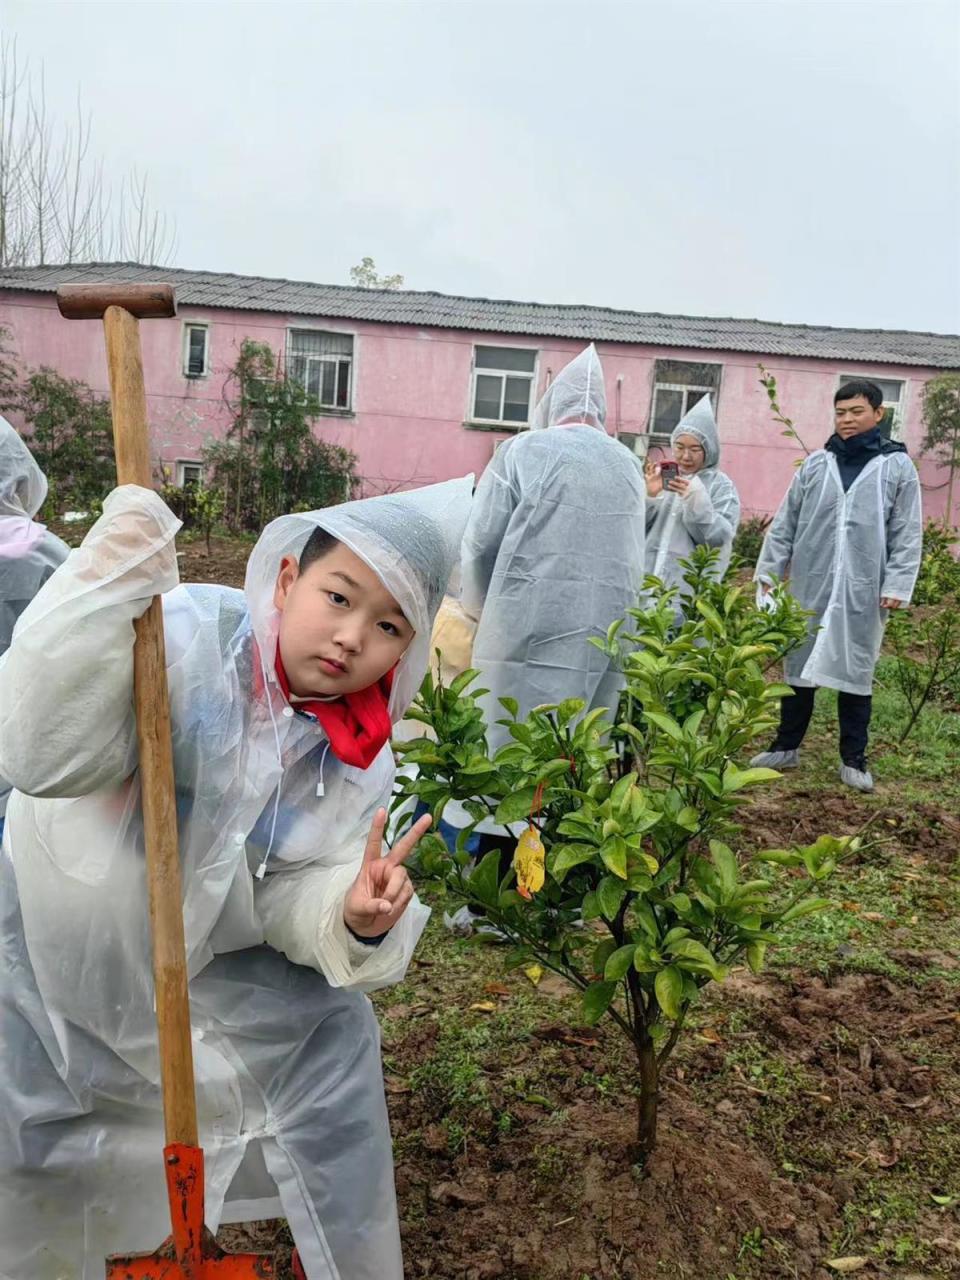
707 515
553 552
272 829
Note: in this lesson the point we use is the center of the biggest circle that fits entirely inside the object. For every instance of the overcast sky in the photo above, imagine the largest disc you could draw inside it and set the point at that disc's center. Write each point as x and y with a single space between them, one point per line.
782 160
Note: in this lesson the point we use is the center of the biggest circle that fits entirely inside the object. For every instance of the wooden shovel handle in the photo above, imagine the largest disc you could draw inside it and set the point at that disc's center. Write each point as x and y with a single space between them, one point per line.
158 797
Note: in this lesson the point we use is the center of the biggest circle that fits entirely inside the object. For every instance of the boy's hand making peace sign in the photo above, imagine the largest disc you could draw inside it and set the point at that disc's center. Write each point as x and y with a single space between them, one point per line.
379 896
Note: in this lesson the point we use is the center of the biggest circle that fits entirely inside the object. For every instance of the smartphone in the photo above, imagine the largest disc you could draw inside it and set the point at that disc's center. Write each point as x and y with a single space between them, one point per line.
668 472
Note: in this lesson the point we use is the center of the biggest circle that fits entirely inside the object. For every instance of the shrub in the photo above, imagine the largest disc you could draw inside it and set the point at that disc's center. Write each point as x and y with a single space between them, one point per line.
271 463
749 539
630 820
939 577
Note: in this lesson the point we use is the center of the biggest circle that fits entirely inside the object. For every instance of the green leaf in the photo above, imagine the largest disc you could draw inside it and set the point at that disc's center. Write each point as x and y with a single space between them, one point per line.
614 855
620 789
590 909
735 779
460 683
711 615
695 953
597 999
569 708
588 722
666 723
619 963
484 883
710 781
678 931
553 769
511 706
432 856
805 908
668 987
610 895
726 864
638 881
780 857
516 806
774 692
570 855
680 902
644 821
646 919
601 954
692 722
755 954
688 818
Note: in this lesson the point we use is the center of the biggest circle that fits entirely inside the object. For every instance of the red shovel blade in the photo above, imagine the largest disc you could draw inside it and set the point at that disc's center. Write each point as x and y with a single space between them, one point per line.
190 1252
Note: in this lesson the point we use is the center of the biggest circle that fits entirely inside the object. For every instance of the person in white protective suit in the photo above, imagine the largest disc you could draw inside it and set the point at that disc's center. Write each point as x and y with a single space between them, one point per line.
282 698
29 552
553 552
552 555
700 507
849 536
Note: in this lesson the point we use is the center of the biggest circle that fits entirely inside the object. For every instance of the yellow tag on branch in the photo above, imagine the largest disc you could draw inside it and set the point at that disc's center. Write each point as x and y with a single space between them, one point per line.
528 860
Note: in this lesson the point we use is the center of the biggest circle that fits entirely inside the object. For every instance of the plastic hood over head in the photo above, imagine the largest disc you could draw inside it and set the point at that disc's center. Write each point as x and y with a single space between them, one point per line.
700 423
23 486
575 395
410 540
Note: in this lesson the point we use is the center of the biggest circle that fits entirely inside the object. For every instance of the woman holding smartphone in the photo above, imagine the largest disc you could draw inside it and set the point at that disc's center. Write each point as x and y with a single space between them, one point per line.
690 503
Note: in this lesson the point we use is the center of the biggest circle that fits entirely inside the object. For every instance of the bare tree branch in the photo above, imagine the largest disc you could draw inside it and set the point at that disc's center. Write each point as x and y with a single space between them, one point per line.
55 203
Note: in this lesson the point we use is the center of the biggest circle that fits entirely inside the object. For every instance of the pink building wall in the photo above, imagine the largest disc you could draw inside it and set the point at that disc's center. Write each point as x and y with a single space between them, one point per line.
412 391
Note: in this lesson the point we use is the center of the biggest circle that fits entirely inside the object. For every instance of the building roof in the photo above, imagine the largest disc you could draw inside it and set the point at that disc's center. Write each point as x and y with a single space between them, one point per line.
534 319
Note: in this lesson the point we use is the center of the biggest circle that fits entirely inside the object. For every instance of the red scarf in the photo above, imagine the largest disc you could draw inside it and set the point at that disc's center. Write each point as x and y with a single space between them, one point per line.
357 725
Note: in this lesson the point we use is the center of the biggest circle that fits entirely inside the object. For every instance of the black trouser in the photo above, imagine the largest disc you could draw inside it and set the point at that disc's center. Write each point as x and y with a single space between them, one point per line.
854 709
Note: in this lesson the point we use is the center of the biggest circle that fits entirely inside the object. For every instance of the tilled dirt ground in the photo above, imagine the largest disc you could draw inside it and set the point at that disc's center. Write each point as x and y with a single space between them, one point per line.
809 1118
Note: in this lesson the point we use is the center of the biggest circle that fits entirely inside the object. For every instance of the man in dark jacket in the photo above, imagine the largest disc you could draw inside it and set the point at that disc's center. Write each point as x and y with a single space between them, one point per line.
849 536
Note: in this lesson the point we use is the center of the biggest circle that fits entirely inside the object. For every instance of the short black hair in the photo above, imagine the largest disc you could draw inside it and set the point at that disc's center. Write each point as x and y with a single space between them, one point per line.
319 544
860 387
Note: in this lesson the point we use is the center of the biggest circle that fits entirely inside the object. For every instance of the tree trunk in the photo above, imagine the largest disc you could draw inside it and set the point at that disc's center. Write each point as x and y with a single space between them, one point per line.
648 1100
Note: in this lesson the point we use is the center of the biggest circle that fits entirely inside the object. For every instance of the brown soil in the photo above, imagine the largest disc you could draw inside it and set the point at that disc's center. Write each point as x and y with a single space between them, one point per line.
226 563
801 1099
549 1201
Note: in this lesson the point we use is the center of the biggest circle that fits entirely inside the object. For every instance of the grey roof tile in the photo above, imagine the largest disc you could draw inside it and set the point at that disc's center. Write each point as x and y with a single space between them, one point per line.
534 319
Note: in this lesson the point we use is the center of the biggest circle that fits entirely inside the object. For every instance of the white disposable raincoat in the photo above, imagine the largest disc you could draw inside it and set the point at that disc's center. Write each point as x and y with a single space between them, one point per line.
707 515
29 552
289 1087
842 553
553 552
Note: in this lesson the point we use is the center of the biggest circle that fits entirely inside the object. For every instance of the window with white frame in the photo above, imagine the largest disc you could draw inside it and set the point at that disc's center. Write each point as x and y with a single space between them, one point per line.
189 474
322 363
503 384
677 386
196 350
893 401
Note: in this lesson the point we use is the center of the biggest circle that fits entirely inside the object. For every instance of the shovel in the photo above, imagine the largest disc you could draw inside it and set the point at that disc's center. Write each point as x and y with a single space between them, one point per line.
190 1252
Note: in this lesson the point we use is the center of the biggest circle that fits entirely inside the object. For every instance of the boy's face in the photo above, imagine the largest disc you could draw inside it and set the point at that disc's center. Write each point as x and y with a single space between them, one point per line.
340 629
854 416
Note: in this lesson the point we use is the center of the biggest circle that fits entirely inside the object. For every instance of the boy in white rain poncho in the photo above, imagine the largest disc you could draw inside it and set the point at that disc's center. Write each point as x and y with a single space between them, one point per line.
29 552
282 700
